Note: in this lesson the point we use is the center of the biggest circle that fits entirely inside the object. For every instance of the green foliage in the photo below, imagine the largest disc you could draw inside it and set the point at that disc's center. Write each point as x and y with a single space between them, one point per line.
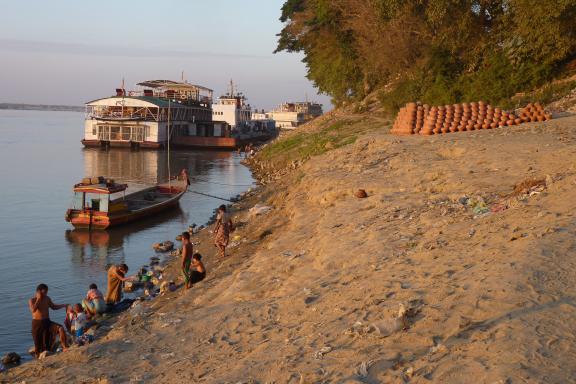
436 51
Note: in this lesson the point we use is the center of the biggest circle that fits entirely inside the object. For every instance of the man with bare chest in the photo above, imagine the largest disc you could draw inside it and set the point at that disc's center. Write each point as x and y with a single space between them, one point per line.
42 326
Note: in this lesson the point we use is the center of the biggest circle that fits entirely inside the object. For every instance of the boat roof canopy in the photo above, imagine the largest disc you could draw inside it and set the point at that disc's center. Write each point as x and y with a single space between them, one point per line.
102 188
170 84
134 101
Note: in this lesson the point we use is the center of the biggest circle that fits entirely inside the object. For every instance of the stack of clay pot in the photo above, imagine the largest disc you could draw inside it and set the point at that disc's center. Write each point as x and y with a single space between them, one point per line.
410 119
534 112
424 120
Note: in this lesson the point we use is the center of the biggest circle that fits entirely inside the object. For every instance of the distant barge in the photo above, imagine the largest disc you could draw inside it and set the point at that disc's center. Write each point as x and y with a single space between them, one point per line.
166 110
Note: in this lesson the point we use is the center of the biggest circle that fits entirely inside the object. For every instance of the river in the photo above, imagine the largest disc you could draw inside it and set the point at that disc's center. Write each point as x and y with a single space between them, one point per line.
41 158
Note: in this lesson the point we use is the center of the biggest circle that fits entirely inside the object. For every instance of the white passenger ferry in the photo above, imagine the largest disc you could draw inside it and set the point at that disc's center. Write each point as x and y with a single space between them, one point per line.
163 109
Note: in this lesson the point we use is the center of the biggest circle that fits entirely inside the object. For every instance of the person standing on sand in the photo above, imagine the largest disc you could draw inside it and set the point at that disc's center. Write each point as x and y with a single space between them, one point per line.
116 276
40 306
222 230
187 251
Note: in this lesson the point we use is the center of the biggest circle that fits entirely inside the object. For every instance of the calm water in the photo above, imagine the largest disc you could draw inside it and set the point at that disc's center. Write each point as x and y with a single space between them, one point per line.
40 159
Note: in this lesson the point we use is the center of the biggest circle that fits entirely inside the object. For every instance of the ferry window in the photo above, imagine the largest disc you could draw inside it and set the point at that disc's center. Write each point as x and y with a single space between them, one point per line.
125 133
93 131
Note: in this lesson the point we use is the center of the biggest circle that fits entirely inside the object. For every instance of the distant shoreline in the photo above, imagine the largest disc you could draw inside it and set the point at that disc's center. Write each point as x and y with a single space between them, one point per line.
41 107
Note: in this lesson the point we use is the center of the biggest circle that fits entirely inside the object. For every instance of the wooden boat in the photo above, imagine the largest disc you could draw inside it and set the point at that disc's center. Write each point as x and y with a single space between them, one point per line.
100 203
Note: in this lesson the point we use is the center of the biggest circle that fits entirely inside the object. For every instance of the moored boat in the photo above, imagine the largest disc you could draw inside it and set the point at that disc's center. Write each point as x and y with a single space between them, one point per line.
100 203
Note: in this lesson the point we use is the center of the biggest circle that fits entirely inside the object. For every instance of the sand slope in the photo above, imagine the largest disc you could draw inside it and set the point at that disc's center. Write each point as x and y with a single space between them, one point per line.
310 294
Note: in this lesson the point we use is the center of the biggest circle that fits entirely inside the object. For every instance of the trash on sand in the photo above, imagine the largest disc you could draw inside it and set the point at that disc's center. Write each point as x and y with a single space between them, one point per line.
167 355
361 194
408 373
388 326
363 368
259 209
319 355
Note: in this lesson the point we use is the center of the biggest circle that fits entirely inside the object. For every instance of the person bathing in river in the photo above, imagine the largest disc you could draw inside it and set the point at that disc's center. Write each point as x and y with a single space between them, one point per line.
116 276
222 230
94 302
40 306
187 251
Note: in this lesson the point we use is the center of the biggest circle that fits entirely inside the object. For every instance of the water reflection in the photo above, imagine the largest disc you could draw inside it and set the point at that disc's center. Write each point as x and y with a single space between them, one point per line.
105 247
149 167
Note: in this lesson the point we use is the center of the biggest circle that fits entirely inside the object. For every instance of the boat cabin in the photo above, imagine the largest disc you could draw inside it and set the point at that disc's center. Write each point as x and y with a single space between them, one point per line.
99 195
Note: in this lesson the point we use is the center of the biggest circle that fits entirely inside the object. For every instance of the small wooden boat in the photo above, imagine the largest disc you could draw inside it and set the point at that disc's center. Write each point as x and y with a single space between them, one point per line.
100 203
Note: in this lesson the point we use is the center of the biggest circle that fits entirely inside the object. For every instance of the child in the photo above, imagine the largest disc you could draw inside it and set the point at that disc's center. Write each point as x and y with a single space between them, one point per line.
94 302
79 323
70 315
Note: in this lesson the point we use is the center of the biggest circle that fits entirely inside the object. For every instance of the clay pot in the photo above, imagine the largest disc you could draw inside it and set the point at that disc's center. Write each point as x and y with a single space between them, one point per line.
510 123
493 125
548 116
477 126
361 194
541 118
517 121
485 125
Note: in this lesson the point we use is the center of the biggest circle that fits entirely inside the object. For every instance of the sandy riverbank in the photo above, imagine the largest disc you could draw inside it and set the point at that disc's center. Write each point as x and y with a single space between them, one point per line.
308 294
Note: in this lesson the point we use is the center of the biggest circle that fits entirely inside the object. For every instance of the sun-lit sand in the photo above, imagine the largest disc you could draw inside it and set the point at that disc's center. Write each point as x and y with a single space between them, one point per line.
311 292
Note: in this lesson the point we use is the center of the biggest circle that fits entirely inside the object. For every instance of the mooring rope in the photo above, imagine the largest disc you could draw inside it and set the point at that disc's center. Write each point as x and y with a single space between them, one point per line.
214 197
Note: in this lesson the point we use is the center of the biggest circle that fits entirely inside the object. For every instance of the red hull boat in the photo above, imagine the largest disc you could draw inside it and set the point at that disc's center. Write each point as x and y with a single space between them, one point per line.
100 204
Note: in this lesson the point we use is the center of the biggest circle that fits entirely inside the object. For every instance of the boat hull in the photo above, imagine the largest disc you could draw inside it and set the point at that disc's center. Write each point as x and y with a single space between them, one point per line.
121 144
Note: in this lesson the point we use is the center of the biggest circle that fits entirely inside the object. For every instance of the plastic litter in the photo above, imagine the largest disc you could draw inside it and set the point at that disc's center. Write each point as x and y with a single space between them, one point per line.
259 209
319 355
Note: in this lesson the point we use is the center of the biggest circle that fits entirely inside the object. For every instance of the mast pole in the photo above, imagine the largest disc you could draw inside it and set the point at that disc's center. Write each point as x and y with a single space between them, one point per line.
169 177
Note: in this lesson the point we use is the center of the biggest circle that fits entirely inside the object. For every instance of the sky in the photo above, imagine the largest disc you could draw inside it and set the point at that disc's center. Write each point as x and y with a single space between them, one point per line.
70 52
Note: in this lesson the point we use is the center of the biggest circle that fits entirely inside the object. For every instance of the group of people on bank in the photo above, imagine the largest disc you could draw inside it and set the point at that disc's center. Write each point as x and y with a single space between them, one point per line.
45 332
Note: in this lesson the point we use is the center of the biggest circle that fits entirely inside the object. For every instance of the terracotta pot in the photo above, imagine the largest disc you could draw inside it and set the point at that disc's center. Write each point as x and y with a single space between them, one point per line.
485 126
510 123
517 121
493 125
548 116
477 126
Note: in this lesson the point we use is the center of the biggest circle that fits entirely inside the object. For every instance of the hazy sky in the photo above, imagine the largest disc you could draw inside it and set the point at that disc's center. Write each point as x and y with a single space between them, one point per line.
70 52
